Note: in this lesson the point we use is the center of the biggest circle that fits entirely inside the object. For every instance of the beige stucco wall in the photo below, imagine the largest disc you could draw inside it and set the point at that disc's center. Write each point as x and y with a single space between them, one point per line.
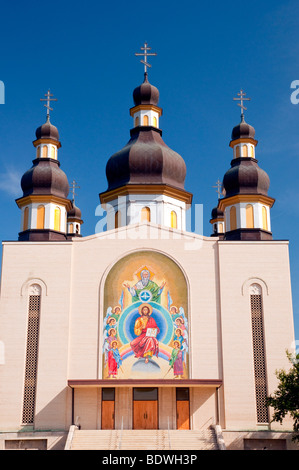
72 276
240 264
50 266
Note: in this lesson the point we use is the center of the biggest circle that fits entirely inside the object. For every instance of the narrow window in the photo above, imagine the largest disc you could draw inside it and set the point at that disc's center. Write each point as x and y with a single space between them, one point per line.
173 220
145 214
220 227
40 218
259 359
155 121
45 151
38 152
145 120
117 219
136 121
71 228
244 151
29 396
265 218
238 152
53 152
57 217
249 216
252 151
233 218
26 218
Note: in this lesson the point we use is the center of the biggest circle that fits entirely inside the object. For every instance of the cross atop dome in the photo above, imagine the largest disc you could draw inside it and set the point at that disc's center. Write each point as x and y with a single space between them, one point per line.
218 188
145 54
74 186
241 98
48 99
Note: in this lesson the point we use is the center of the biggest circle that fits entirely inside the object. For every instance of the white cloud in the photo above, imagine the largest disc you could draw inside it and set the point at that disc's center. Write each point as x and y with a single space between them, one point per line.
10 181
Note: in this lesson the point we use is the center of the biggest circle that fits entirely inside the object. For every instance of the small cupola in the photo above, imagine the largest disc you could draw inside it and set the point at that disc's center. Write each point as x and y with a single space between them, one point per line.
44 203
245 203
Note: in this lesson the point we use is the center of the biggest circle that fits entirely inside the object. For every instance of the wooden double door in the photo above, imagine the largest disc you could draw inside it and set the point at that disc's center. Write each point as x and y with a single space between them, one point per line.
146 408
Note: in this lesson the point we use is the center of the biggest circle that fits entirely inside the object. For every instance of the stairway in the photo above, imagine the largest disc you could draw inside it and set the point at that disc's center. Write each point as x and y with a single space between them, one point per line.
143 440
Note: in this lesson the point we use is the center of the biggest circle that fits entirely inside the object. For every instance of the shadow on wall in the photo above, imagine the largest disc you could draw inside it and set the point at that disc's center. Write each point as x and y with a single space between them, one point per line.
51 423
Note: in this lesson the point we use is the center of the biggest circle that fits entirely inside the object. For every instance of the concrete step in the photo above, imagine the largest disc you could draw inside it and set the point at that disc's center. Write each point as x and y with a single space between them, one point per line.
143 440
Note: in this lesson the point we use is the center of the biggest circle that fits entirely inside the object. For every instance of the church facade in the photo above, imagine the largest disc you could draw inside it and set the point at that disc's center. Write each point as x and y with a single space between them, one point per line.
144 325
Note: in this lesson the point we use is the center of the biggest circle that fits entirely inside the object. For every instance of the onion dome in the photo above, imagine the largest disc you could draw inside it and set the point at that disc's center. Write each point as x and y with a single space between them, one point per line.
243 131
146 159
74 213
45 177
216 213
74 222
245 178
146 93
47 131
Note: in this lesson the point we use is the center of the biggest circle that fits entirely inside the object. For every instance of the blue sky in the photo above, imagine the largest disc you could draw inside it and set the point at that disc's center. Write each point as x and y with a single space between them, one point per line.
207 52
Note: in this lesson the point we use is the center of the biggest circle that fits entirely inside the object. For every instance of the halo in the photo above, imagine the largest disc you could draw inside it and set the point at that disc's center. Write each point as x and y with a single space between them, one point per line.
139 271
176 341
116 306
173 306
181 319
145 305
114 342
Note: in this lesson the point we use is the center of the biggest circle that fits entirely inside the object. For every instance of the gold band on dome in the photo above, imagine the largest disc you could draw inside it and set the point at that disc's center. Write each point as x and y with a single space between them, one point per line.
24 201
243 140
229 201
150 107
220 219
146 188
47 141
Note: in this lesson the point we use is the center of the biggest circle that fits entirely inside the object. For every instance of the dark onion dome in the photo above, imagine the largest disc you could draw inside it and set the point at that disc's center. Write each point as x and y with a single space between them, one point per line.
243 131
47 131
216 213
74 213
146 159
45 177
245 177
146 93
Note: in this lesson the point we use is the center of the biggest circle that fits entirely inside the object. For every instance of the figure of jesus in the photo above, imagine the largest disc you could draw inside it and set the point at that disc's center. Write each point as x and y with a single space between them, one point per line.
143 345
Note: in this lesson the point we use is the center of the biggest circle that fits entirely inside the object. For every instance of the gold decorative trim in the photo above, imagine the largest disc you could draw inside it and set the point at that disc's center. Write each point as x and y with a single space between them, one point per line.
150 107
243 140
46 141
220 219
24 201
230 201
163 189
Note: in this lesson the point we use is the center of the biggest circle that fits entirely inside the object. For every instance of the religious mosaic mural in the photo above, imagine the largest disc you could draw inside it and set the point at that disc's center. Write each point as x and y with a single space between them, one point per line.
145 324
